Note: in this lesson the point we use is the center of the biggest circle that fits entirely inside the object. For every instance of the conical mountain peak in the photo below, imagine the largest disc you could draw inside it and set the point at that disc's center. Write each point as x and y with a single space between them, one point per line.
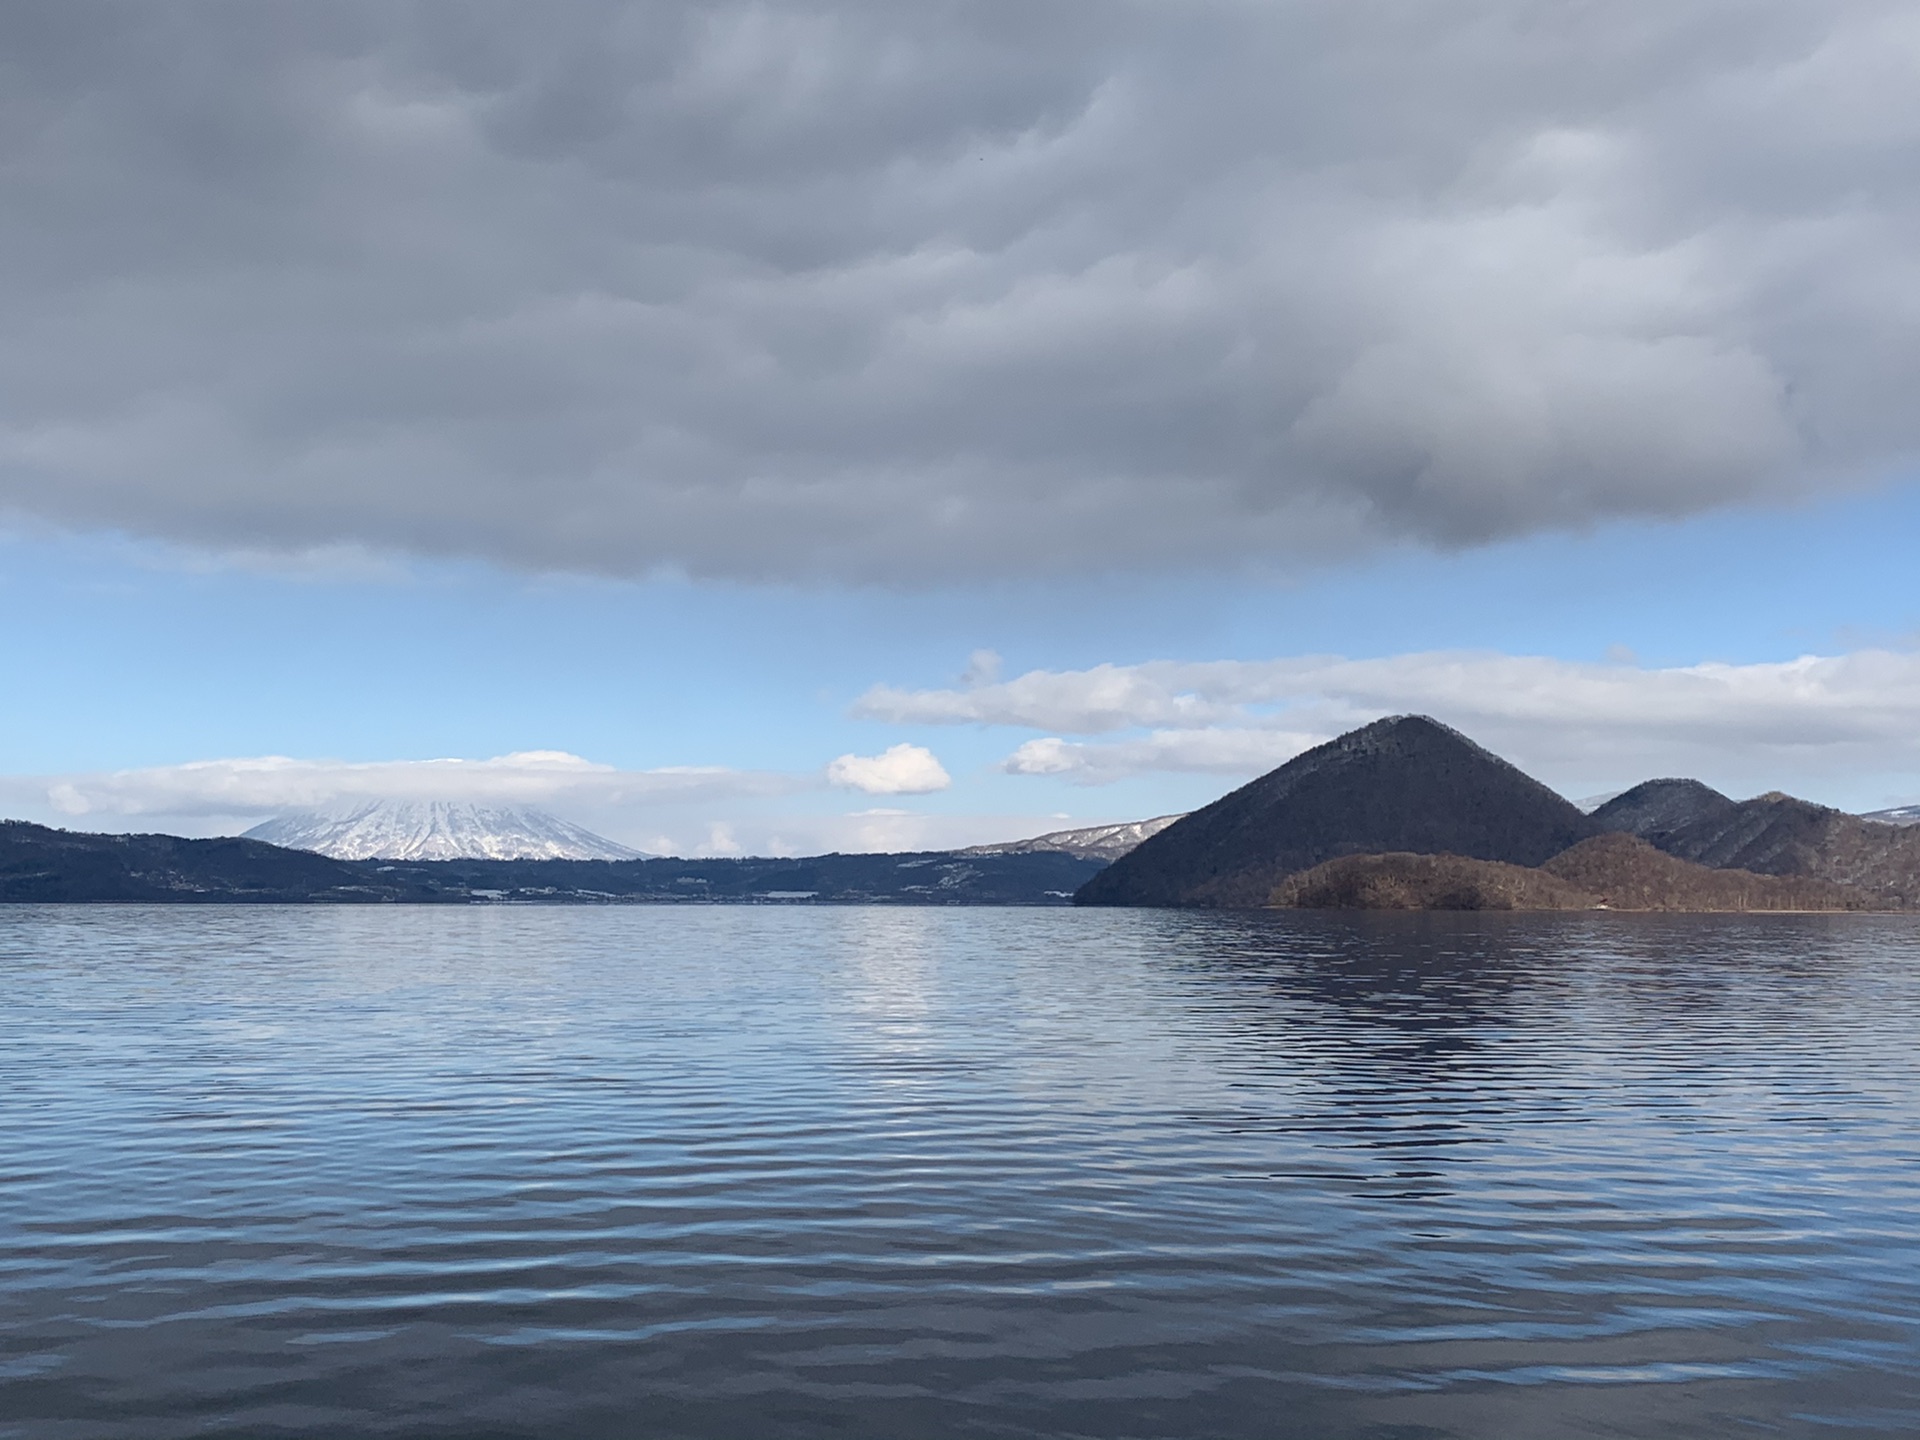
1404 783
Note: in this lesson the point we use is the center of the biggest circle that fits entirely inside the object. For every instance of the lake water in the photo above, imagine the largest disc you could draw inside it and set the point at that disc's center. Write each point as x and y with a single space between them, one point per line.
749 1172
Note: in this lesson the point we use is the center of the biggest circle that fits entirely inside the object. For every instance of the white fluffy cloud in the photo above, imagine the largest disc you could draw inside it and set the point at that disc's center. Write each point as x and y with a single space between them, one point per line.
1790 719
898 770
836 290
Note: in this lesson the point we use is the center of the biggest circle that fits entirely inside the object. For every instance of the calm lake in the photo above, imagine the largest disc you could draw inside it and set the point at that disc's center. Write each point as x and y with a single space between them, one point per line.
756 1171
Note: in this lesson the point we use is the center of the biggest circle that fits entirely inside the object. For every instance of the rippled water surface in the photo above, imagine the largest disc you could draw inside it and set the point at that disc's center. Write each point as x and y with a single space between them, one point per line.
868 1172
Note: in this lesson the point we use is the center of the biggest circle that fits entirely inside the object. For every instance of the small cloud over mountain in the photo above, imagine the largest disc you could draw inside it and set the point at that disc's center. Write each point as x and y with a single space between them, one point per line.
898 770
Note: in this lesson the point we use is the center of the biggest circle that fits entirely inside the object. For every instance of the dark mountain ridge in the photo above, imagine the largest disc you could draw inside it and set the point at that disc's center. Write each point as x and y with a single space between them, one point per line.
40 863
1403 784
936 877
45 865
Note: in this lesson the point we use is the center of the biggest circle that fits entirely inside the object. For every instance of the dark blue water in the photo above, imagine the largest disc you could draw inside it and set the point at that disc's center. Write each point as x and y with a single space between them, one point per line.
883 1173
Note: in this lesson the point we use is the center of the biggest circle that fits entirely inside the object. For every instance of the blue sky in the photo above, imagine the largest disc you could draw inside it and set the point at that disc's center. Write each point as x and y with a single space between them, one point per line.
782 427
133 654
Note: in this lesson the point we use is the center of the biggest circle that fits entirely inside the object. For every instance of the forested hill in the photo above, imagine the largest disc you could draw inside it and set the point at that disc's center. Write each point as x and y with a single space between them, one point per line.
47 865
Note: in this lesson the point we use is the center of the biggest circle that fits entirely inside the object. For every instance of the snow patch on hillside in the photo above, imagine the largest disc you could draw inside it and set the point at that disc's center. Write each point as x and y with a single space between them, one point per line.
1092 842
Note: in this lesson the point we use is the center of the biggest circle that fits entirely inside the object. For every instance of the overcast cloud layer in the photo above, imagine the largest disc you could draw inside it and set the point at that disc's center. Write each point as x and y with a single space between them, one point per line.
929 292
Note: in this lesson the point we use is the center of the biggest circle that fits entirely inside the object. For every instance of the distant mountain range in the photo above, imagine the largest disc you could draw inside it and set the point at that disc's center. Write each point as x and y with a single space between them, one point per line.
1092 842
439 830
1403 813
442 830
1349 822
40 864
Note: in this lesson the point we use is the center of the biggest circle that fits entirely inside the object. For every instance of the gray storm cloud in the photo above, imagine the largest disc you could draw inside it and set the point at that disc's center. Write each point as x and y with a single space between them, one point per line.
934 292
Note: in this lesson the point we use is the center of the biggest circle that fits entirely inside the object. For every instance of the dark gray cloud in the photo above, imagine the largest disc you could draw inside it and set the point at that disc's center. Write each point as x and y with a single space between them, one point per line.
907 292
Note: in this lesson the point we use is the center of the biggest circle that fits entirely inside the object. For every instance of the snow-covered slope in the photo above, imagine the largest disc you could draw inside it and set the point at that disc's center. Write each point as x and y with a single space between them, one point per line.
1094 842
1899 815
439 830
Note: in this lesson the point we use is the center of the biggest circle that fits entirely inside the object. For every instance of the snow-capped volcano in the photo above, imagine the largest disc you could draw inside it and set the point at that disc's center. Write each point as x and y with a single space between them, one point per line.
439 830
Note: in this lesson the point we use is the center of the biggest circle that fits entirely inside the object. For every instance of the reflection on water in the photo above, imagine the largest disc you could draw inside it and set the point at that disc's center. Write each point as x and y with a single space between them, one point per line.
849 1172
